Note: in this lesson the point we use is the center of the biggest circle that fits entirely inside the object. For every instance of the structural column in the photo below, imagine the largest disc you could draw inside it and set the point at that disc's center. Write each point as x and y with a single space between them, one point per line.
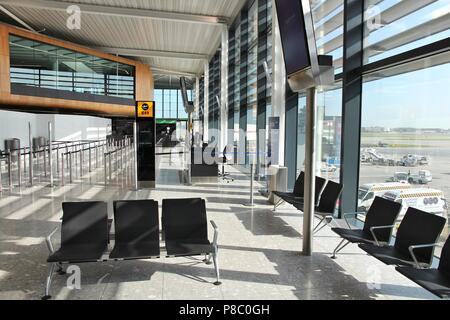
351 102
310 164
206 102
197 106
290 134
224 90
278 87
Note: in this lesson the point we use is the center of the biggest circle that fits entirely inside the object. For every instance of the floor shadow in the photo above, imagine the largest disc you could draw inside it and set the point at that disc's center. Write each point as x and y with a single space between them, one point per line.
203 191
263 222
237 201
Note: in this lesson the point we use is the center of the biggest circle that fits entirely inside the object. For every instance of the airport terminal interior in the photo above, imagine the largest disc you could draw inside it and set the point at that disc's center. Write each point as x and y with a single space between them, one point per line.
226 150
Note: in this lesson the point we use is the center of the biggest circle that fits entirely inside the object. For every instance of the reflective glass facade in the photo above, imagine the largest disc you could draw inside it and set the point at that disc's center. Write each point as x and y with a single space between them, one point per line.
214 93
249 92
399 89
405 133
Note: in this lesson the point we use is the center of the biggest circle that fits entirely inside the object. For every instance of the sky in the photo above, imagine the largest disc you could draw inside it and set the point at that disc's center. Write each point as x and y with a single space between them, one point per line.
419 99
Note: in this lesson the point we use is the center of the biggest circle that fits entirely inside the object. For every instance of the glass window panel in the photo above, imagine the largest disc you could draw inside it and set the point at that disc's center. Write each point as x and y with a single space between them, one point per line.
173 104
328 132
159 103
42 65
405 132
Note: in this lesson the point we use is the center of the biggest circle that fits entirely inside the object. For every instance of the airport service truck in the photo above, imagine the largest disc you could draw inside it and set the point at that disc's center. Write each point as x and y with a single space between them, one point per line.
368 192
422 177
413 160
426 199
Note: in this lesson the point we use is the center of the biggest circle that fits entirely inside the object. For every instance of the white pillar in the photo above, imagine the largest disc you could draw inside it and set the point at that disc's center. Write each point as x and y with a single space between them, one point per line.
278 83
224 90
320 115
197 106
310 153
206 103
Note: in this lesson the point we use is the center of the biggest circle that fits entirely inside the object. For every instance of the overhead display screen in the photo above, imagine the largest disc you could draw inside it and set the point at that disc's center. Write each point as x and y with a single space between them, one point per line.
184 91
293 35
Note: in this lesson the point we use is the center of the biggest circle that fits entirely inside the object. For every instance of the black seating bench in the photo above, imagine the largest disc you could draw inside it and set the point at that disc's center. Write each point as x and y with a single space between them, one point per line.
378 225
327 204
297 195
84 237
85 233
417 228
185 229
136 226
437 281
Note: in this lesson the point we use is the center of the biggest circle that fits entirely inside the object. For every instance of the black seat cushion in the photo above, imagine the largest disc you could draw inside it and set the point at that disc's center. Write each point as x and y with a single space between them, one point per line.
435 281
389 255
84 232
282 194
289 197
444 259
298 191
299 186
297 195
78 253
185 227
329 198
184 219
139 250
188 248
382 212
354 235
419 227
137 229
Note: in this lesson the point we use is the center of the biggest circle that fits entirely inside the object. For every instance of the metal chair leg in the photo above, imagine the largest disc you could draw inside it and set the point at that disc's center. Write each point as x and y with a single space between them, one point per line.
60 270
277 204
320 228
51 270
324 219
317 225
339 248
208 259
216 267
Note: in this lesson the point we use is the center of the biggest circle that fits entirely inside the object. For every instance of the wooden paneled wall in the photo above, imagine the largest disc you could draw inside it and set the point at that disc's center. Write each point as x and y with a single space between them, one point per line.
144 84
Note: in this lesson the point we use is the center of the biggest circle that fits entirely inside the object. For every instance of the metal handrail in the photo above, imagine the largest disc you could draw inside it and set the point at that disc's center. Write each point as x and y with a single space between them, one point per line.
65 150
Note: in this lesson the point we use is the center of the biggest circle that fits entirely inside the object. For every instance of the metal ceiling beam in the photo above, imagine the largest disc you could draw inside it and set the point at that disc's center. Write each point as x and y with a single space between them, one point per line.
336 21
152 53
16 18
388 16
118 11
161 71
325 8
415 33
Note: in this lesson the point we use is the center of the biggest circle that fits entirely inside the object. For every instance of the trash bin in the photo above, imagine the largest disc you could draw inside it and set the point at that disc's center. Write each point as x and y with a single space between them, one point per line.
38 142
13 144
277 181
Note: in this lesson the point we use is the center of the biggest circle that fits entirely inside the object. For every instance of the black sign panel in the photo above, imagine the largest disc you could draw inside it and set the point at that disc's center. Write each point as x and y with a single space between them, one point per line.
146 142
293 35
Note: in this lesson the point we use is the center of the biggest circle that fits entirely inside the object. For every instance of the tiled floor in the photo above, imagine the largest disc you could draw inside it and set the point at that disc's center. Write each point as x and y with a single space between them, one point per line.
259 251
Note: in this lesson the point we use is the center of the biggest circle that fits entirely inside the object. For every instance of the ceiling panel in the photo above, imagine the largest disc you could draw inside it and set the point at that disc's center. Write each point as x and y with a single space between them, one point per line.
139 33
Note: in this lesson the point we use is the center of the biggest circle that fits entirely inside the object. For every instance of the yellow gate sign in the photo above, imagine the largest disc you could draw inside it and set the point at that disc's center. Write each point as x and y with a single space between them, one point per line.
145 109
